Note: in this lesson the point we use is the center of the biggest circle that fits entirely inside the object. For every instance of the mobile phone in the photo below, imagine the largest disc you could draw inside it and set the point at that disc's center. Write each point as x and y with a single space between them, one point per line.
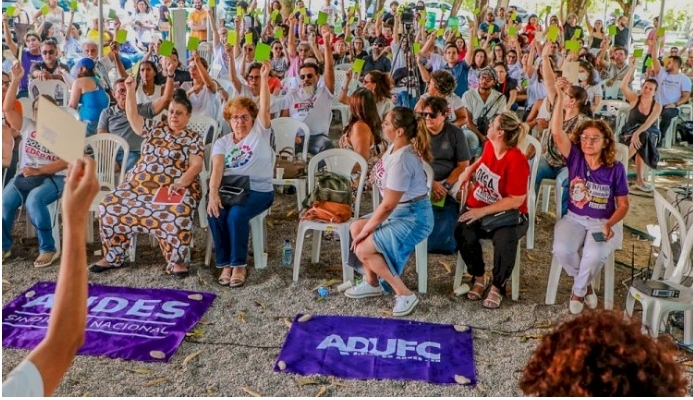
598 237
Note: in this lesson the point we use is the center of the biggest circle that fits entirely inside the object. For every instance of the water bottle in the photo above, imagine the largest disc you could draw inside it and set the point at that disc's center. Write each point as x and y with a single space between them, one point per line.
323 292
287 254
59 95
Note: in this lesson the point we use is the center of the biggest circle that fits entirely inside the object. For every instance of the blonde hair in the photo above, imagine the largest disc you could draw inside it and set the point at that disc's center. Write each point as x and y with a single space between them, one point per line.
238 103
514 130
414 129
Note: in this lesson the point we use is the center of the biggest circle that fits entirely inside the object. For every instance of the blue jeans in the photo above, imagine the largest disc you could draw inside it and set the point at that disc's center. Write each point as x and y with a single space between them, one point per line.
36 205
133 157
472 143
668 115
230 231
545 171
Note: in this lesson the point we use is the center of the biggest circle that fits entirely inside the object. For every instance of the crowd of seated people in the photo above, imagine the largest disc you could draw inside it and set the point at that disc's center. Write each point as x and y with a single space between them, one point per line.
464 104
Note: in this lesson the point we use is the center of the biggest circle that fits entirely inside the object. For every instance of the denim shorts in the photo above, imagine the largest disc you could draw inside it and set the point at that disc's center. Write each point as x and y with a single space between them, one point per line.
397 236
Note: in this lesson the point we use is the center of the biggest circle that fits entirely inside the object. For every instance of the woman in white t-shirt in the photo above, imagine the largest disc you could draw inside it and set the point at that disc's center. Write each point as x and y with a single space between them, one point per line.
202 90
384 240
147 90
39 181
145 23
243 156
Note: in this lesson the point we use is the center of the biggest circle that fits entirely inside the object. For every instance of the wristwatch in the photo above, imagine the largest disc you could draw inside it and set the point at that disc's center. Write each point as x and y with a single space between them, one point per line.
446 185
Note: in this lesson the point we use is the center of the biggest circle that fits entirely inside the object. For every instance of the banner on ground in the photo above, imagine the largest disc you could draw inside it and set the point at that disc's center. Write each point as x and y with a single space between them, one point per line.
129 323
377 348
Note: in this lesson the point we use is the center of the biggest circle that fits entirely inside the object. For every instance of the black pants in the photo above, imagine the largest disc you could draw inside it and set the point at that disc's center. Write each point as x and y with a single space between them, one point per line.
668 115
505 242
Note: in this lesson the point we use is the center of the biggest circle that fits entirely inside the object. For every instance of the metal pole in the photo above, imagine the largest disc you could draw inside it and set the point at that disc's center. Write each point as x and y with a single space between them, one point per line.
100 28
634 4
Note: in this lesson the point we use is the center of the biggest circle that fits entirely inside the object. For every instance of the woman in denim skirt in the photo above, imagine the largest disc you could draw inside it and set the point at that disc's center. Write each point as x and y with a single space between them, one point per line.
385 239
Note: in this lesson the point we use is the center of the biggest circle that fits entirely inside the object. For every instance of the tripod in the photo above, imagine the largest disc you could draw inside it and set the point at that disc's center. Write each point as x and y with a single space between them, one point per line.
412 81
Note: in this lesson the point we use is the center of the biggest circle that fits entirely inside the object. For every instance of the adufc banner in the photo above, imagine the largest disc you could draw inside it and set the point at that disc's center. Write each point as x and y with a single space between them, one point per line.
129 323
378 348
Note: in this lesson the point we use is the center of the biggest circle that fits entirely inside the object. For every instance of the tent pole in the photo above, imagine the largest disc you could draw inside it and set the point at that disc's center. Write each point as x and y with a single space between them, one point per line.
100 28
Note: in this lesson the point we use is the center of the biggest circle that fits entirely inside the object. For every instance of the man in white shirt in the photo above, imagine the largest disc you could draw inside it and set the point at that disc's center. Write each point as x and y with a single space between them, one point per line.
42 370
674 90
311 103
483 103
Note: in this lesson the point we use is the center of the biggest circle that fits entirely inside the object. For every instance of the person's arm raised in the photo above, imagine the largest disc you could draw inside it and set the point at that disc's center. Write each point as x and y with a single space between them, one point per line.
162 102
216 40
233 75
134 118
329 63
547 71
8 36
264 115
628 94
204 74
13 118
560 137
292 36
469 57
343 92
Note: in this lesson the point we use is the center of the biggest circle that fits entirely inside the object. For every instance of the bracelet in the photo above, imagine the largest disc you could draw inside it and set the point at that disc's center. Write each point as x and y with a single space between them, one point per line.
171 76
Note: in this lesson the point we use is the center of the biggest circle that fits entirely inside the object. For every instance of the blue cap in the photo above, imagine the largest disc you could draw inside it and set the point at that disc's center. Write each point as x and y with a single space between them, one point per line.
87 63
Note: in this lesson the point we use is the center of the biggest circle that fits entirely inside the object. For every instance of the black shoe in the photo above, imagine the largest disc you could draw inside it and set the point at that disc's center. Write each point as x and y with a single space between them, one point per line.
97 269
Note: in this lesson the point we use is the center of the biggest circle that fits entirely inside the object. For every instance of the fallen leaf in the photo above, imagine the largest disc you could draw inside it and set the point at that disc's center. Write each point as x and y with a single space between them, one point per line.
291 212
204 322
529 257
287 323
210 392
139 371
322 391
6 282
386 312
241 317
259 304
191 357
447 266
155 382
543 325
306 381
333 381
328 283
281 365
251 391
195 296
533 336
87 394
551 214
159 355
305 318
270 224
461 328
195 333
462 380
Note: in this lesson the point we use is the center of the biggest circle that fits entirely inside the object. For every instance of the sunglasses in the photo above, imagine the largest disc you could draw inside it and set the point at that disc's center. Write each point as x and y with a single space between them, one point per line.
48 52
278 48
306 76
428 115
378 45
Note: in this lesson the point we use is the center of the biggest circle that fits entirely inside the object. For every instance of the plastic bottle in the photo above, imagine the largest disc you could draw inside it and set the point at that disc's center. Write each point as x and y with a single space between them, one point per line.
287 254
59 95
323 292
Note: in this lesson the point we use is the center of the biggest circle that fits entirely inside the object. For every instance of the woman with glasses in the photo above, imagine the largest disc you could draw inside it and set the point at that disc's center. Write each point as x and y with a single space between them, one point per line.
50 67
39 181
496 182
384 240
87 96
497 54
357 49
31 54
598 201
378 83
246 155
170 164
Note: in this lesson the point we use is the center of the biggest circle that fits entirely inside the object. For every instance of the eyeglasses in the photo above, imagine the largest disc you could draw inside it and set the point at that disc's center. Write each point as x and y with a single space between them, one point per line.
248 48
590 139
486 78
253 77
48 52
244 118
306 76
5 83
302 50
121 91
278 48
428 115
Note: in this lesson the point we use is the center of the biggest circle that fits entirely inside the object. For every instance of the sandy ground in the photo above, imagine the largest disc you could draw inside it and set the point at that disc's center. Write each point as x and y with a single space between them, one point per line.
245 327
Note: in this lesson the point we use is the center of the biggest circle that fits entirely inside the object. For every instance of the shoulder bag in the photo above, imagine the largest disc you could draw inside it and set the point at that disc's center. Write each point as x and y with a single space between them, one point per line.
234 190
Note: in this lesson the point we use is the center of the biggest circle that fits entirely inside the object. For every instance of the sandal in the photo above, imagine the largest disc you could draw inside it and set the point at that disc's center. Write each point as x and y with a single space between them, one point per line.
180 274
238 278
225 277
493 302
6 255
475 294
46 259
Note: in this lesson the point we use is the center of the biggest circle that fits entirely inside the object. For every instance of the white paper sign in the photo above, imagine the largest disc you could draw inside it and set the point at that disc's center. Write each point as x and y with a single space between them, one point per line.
59 131
570 71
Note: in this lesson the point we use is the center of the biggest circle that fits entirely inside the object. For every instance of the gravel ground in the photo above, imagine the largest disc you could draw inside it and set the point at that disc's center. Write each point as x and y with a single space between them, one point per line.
245 327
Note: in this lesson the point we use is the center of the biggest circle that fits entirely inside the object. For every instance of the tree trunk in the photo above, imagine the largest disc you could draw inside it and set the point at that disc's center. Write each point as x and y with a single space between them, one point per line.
456 4
379 5
577 7
287 8
626 6
480 5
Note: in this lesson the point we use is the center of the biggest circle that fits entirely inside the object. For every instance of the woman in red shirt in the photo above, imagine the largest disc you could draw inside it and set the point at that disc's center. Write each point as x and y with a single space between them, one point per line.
501 176
532 27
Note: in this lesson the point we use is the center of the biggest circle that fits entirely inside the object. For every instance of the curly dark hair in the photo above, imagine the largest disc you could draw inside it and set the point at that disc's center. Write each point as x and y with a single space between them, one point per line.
599 354
608 155
445 83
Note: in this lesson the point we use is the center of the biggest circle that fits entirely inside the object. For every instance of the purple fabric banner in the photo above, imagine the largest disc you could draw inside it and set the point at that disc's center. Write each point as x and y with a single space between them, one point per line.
377 348
133 324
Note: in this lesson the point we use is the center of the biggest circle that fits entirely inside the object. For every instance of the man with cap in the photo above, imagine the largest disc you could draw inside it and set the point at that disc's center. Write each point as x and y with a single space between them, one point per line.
481 105
377 60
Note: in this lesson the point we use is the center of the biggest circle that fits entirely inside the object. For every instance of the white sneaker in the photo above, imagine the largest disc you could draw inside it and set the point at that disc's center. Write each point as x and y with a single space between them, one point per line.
591 301
576 307
362 290
404 305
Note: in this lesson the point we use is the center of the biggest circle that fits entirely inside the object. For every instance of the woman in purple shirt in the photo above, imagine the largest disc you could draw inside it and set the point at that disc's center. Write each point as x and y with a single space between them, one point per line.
598 201
31 54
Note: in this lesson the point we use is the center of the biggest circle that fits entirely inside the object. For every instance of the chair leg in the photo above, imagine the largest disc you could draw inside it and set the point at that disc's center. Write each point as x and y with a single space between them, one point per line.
258 240
630 303
300 192
532 220
422 265
609 281
545 193
208 250
299 250
317 240
347 271
688 327
54 209
552 285
90 227
133 248
558 199
516 276
459 272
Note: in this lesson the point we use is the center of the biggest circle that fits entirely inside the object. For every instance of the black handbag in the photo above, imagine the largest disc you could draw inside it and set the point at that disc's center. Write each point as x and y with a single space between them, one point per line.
502 219
234 190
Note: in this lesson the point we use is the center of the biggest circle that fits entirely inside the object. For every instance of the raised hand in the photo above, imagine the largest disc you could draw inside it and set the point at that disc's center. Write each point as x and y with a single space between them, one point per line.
130 84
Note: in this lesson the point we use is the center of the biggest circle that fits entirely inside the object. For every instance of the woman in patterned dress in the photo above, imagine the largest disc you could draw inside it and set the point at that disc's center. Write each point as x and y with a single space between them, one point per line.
171 160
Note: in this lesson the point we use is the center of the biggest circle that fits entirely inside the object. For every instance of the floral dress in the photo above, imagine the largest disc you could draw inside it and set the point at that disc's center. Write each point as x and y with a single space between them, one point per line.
376 151
128 210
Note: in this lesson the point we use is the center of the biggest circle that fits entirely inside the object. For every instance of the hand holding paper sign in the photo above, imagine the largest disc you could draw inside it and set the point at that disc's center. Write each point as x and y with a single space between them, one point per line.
59 131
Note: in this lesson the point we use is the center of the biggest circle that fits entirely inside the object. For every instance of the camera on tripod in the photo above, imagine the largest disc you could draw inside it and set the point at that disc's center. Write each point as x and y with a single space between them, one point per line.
407 15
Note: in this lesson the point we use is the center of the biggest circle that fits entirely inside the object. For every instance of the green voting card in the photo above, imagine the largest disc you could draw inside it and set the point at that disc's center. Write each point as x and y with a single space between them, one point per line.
440 32
512 31
112 14
121 36
193 43
212 3
73 5
357 66
416 48
475 42
491 27
552 33
231 37
166 48
306 19
661 32
612 30
648 63
617 12
453 23
45 10
274 15
11 11
322 18
638 52
338 30
249 38
577 33
439 203
572 45
262 52
278 32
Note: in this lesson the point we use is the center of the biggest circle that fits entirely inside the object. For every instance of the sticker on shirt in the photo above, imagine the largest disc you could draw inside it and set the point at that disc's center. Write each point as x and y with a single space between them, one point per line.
302 108
488 182
239 156
378 172
35 149
584 193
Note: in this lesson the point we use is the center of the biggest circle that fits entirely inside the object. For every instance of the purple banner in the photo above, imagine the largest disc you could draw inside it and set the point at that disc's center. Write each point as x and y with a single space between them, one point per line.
377 348
133 324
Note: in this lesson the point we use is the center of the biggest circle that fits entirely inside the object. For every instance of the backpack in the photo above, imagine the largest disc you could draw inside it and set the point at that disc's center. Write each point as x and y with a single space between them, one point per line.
330 201
685 131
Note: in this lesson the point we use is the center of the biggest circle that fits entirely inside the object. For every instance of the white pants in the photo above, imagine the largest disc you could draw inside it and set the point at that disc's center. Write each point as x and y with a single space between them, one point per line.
573 232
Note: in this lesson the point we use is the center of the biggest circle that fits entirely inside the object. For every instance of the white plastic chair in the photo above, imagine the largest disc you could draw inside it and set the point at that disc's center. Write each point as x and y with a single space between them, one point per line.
258 227
70 111
342 162
343 67
27 110
202 125
556 268
285 130
421 249
339 79
685 114
105 148
655 309
531 196
547 184
53 88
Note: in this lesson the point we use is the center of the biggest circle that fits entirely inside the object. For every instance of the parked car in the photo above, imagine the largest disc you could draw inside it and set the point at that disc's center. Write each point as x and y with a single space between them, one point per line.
640 26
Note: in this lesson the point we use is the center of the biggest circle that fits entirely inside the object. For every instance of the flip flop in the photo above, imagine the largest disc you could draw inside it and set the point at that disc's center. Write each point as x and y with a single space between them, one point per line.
476 295
224 279
237 280
44 260
492 303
